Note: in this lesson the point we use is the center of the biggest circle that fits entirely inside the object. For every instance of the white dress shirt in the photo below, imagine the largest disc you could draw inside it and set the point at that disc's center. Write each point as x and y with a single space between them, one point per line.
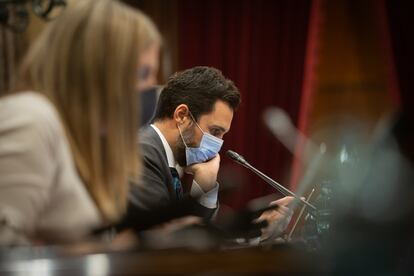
208 199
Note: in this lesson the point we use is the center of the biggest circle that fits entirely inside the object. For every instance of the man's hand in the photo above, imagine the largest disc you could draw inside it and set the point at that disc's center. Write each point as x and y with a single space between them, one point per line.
278 219
205 174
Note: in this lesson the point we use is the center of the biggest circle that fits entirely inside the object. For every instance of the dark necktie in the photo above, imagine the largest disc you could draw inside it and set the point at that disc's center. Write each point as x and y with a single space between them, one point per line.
177 183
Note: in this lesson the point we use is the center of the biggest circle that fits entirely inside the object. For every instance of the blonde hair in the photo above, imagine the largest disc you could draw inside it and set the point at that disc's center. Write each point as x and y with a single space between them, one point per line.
86 63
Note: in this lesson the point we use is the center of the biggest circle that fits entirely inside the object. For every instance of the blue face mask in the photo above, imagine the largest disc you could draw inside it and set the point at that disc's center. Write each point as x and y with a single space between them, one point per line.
209 147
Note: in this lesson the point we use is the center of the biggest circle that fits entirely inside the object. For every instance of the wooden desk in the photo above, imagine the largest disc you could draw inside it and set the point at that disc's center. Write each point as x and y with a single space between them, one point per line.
281 260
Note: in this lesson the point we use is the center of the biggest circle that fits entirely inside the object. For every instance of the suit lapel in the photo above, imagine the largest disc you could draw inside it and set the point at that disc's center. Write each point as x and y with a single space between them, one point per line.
148 135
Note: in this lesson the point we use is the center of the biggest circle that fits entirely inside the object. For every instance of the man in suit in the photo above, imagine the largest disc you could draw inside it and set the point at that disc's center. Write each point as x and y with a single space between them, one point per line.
194 112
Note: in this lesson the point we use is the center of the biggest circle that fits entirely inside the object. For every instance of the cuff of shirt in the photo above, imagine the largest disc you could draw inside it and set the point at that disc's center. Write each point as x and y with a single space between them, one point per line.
208 199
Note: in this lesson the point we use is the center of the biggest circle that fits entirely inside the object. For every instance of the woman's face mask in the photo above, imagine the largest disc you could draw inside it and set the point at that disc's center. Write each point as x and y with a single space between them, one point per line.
209 147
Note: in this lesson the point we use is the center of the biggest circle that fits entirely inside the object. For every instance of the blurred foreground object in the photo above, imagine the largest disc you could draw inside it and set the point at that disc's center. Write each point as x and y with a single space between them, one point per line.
14 14
372 190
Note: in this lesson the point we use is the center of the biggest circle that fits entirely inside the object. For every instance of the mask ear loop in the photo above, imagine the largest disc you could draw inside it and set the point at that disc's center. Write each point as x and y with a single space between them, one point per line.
192 117
181 135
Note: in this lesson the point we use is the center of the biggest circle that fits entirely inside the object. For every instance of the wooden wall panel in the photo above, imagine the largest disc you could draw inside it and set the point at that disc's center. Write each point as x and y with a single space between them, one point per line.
352 72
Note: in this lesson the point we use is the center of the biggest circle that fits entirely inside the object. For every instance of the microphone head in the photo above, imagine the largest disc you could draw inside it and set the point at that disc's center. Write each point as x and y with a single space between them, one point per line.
236 157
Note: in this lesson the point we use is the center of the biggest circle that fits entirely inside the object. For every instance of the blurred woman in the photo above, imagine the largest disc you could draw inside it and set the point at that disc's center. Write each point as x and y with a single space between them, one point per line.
67 135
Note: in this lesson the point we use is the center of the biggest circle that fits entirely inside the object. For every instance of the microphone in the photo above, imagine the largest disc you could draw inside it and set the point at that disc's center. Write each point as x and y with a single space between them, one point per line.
236 157
286 192
281 126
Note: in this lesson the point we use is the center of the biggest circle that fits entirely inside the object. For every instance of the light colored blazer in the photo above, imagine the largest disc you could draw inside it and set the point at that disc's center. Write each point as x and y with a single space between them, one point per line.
41 194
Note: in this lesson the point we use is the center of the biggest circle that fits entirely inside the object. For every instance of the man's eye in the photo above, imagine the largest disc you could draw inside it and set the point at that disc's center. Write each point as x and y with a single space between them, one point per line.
215 132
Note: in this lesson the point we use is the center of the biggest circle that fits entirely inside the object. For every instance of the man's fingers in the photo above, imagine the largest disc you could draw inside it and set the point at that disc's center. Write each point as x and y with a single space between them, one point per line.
282 210
217 157
283 201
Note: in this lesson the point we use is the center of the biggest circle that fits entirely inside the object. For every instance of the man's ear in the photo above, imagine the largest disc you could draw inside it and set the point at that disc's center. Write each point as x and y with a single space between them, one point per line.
181 114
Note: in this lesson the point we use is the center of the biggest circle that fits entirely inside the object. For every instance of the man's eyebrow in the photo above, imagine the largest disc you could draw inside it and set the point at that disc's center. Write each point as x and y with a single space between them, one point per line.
222 129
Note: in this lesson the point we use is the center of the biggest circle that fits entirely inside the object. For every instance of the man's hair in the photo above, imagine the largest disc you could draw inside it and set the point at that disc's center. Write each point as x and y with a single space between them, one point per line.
199 88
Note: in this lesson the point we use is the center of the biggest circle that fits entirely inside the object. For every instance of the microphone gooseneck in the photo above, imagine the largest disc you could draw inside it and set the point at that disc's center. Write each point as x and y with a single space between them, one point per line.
286 192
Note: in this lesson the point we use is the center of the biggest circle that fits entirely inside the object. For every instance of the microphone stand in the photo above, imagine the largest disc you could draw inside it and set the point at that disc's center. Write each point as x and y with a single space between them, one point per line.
239 159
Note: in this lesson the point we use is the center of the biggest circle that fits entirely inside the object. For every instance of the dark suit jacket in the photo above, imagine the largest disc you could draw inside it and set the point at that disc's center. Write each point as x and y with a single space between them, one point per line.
156 186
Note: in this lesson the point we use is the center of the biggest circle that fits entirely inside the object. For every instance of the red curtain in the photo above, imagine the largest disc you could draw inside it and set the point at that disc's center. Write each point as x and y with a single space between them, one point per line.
308 90
402 42
261 46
